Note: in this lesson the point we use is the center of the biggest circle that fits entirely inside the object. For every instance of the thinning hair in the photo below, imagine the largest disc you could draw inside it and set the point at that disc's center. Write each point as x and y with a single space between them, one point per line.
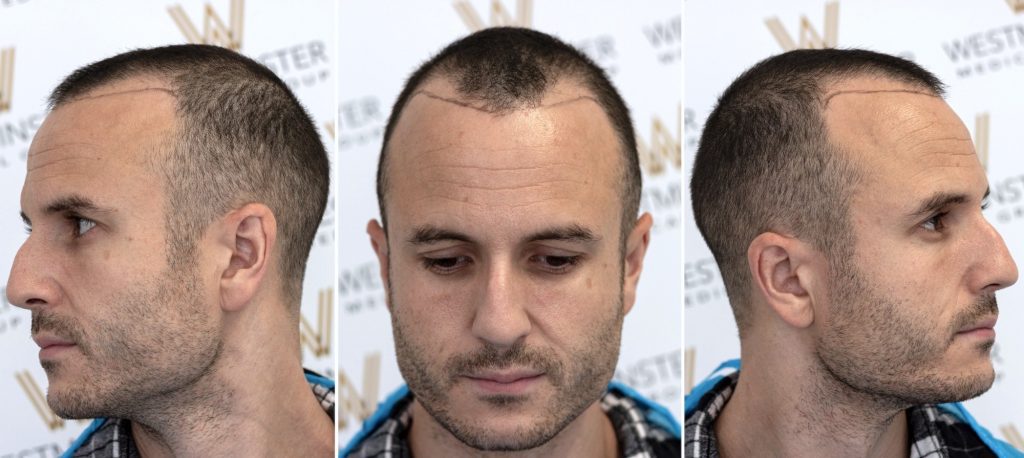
241 136
765 162
504 69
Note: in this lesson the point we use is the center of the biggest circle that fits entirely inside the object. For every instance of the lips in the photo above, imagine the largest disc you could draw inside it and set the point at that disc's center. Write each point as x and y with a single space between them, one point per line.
510 382
505 376
984 324
51 346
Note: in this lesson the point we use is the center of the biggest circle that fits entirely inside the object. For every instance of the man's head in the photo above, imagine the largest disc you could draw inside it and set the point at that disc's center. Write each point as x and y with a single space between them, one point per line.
167 188
508 173
841 196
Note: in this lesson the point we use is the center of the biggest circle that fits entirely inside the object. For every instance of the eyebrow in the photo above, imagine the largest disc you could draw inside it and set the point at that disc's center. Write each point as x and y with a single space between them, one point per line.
570 233
940 200
68 204
425 235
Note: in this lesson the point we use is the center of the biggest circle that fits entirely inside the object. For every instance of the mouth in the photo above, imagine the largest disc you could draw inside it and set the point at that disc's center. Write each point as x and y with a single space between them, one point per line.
981 328
508 382
51 345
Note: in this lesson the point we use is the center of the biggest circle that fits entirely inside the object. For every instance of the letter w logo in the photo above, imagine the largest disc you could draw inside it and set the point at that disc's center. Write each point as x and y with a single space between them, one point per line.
499 15
215 32
319 340
38 400
6 78
809 37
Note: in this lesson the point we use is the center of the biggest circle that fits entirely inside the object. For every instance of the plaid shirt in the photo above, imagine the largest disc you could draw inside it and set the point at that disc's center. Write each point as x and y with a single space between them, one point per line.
112 437
934 431
639 434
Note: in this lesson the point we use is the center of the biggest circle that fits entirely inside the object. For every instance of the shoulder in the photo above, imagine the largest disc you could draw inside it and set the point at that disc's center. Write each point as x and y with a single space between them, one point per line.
643 427
951 428
384 433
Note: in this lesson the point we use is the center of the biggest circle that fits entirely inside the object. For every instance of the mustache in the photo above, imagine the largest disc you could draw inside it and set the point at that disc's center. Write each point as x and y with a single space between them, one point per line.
65 328
492 357
981 308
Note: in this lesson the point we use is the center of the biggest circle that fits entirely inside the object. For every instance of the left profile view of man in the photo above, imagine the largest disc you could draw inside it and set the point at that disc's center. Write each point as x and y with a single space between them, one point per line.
172 197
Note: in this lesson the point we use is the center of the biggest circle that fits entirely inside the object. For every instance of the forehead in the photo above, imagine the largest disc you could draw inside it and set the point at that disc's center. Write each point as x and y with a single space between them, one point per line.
103 140
901 138
449 159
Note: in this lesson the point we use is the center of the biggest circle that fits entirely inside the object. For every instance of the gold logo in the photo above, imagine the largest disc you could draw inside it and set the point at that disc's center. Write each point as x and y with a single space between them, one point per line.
6 78
499 15
329 128
1017 6
1012 436
38 400
981 138
350 402
809 36
690 360
215 32
319 341
664 150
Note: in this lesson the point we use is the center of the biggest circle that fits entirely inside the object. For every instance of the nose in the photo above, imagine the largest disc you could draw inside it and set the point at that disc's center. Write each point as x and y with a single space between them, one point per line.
501 317
997 270
30 284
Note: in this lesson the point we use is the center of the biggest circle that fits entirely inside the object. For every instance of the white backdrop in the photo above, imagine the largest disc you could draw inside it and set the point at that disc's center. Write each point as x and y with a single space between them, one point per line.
976 48
49 40
381 43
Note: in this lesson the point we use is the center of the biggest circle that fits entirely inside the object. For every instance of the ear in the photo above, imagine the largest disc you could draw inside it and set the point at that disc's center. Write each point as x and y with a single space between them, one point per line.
636 248
379 242
783 273
250 232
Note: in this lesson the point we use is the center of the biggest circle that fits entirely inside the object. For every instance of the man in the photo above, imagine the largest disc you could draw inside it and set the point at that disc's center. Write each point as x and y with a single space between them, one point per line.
172 197
842 199
509 242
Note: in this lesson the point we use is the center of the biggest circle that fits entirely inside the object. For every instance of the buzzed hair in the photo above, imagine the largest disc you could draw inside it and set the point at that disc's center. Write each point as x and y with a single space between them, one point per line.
504 69
765 162
241 136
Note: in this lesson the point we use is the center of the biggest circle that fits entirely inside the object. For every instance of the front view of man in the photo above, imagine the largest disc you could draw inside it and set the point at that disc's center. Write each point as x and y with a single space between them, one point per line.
842 199
172 196
509 186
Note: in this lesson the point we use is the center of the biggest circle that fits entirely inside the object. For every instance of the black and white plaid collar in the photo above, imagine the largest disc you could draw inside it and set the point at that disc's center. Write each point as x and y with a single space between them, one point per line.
112 437
935 432
637 436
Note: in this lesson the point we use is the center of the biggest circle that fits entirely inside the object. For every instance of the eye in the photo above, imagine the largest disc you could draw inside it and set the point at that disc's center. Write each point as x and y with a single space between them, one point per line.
446 265
935 223
81 225
556 264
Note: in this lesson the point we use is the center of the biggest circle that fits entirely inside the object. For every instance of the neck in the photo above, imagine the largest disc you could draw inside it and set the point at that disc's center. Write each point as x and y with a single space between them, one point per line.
791 406
254 401
590 434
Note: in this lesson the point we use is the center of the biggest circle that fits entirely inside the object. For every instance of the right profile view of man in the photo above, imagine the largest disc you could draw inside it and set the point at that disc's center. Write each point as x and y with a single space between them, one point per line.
172 197
509 242
842 199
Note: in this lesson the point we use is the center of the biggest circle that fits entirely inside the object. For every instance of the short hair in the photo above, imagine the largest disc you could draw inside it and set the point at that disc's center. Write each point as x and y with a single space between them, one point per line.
765 162
241 137
509 68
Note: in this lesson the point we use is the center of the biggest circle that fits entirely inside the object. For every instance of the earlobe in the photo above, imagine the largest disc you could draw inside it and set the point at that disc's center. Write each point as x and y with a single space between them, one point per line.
252 229
379 242
775 263
636 248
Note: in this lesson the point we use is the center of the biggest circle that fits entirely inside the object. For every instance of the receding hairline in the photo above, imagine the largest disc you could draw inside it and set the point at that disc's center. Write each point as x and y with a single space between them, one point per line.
577 95
464 103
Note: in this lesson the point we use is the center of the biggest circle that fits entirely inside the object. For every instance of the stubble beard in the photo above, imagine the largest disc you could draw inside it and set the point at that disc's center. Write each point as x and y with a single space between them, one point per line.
874 348
149 351
576 384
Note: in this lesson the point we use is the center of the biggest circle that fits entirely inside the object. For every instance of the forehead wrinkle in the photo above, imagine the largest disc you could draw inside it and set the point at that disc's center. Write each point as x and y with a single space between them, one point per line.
56 148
